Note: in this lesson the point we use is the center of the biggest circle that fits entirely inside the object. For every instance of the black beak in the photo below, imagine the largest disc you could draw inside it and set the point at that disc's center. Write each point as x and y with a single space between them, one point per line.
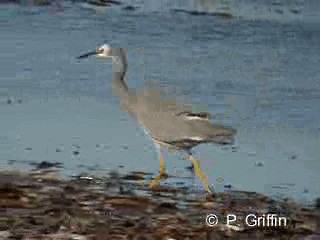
88 54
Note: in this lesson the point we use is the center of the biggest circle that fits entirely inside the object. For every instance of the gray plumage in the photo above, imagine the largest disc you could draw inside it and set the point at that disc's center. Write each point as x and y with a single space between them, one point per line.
168 122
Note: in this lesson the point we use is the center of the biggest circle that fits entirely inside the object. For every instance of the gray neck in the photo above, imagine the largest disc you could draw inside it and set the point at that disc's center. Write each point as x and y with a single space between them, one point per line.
119 69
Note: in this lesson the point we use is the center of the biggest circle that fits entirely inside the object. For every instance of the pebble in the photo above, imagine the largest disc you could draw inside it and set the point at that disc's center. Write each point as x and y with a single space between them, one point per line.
76 153
259 164
4 235
210 205
58 149
45 165
78 237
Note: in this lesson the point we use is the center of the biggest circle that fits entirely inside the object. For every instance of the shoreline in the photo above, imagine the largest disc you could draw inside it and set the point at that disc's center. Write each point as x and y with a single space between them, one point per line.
43 206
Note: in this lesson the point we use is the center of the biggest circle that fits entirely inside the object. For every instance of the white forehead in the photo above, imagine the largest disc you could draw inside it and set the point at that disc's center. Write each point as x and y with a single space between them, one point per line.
105 46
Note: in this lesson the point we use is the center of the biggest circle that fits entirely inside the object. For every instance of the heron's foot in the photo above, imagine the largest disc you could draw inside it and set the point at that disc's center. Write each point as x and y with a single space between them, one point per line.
210 189
163 175
157 181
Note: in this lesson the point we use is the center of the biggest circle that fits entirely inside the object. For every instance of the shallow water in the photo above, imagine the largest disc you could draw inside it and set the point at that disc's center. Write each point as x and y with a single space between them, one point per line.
260 76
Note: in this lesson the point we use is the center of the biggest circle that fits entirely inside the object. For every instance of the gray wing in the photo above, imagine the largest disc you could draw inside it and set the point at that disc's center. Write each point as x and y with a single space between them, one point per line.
168 121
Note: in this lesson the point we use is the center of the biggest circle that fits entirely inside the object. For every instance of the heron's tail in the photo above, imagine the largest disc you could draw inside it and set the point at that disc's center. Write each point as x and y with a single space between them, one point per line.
223 135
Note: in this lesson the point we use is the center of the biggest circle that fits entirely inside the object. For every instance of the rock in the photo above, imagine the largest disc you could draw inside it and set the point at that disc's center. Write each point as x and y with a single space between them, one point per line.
165 207
259 164
12 196
78 237
76 152
125 147
58 149
129 8
45 165
46 175
4 235
210 205
133 177
10 100
293 157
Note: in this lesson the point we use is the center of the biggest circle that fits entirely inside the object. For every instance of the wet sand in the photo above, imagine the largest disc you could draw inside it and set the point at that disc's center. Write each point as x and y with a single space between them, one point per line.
40 205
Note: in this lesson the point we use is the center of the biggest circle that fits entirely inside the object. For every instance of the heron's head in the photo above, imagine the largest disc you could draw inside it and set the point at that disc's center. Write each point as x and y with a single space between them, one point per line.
104 51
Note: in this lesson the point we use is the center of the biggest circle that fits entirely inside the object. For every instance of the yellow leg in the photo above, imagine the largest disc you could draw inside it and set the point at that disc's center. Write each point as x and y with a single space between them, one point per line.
202 177
163 175
162 170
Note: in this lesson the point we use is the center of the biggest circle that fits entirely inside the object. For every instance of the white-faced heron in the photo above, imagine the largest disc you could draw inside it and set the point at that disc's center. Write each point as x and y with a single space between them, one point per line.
170 125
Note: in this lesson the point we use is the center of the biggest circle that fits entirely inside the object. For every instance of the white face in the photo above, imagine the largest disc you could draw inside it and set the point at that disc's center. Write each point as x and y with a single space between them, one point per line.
104 51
